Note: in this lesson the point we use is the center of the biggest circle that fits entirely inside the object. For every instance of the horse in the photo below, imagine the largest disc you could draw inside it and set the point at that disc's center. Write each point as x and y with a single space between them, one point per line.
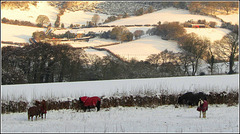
34 111
42 106
89 102
191 98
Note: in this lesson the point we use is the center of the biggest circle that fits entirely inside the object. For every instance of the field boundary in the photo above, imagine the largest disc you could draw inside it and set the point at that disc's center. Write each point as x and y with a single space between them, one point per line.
125 101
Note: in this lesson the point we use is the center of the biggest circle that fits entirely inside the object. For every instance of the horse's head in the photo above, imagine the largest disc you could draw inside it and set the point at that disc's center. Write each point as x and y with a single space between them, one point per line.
180 100
37 103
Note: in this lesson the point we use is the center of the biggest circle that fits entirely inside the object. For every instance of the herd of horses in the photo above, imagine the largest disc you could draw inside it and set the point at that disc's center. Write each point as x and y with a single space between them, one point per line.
39 109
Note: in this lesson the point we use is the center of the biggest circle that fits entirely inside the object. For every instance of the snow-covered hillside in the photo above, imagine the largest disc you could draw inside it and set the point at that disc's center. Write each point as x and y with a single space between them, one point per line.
168 14
42 8
233 18
71 90
212 34
80 17
163 119
96 52
99 30
17 33
143 47
91 43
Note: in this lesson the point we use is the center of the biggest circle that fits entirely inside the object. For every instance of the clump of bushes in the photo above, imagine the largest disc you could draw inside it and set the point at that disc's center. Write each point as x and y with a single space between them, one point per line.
119 33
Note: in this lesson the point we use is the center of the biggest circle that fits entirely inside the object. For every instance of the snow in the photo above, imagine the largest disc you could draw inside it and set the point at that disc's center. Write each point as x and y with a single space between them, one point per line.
164 119
5 45
43 8
15 33
212 33
99 30
96 52
169 14
171 85
80 17
142 48
233 18
91 43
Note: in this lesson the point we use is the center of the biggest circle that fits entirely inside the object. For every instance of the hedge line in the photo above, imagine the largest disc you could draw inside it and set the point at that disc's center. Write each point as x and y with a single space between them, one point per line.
125 101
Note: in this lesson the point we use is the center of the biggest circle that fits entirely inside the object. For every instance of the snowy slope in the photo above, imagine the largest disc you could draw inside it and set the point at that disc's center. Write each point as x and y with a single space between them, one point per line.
143 47
43 8
17 33
91 43
80 17
96 52
172 85
99 30
168 14
163 119
212 34
233 18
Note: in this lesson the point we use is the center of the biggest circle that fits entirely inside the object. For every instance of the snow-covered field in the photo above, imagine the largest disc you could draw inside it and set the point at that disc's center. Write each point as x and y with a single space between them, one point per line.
212 33
169 14
233 18
96 52
71 90
43 8
99 30
163 119
91 43
80 17
17 33
142 48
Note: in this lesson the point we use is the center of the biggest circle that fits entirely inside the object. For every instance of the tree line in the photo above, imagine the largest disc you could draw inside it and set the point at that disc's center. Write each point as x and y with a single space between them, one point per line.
17 22
42 63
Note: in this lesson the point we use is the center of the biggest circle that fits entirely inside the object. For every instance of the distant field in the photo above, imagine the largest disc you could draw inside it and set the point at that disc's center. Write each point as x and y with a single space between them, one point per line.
168 14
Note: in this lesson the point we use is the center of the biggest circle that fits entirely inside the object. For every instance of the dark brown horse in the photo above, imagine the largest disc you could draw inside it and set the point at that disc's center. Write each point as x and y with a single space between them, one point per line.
89 102
34 111
43 107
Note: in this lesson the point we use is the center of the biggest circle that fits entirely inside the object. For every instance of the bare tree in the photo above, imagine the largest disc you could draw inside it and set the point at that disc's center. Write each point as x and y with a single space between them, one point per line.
227 6
227 49
195 7
95 19
195 48
210 58
210 7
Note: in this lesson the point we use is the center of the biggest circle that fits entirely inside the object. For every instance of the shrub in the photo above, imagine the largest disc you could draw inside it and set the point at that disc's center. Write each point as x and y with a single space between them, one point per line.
170 31
138 33
212 24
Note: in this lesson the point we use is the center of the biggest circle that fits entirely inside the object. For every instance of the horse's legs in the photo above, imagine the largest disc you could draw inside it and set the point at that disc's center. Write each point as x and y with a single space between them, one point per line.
98 105
204 114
